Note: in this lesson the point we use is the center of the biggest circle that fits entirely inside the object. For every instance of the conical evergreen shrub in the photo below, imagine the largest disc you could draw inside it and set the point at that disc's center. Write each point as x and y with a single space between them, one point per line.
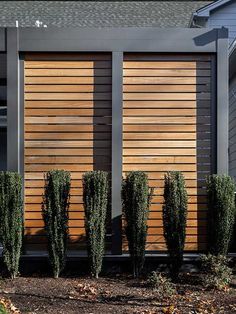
174 219
11 220
221 212
136 198
55 208
95 199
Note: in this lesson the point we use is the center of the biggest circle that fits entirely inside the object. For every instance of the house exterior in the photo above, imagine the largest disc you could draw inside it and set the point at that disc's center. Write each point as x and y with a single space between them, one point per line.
116 99
232 108
87 14
217 14
113 98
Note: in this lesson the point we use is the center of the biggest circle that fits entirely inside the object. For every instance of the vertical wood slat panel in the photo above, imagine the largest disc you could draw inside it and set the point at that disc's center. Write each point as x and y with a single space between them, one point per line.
66 127
168 129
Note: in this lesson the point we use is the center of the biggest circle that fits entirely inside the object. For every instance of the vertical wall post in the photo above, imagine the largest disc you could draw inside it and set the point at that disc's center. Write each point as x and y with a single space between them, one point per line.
213 115
13 103
222 102
117 138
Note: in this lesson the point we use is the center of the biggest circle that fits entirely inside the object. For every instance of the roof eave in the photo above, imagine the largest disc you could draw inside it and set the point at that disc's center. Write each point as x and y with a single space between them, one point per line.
205 11
194 18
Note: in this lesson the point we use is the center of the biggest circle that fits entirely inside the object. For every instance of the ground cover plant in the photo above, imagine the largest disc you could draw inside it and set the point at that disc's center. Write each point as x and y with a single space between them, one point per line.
161 284
216 271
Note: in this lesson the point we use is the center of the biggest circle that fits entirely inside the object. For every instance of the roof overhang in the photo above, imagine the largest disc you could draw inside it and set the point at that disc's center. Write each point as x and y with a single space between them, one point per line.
205 11
145 39
203 14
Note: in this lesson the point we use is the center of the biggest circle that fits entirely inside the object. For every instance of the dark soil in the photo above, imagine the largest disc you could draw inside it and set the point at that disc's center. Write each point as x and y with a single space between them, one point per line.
111 295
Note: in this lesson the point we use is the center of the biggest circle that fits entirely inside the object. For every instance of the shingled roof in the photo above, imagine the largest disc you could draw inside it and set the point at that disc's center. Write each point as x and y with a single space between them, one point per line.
99 13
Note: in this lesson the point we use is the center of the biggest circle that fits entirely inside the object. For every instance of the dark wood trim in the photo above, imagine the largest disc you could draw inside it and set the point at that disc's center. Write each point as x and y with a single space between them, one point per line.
117 140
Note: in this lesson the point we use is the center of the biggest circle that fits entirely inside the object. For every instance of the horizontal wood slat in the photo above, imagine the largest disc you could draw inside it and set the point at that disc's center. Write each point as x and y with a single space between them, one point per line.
66 56
68 80
167 88
67 120
68 112
166 80
159 112
67 152
165 72
82 128
165 65
38 190
194 215
68 96
165 104
68 72
66 104
69 136
67 126
166 57
152 175
167 126
60 143
71 88
68 65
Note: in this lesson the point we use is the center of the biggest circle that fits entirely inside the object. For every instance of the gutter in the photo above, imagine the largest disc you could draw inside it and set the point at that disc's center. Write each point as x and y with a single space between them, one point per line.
195 18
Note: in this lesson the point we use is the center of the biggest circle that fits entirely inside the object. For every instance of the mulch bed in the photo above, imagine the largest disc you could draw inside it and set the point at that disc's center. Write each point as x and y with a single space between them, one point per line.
116 295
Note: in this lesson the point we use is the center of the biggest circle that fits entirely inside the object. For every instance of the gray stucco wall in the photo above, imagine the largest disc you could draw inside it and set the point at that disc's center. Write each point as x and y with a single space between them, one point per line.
224 16
232 127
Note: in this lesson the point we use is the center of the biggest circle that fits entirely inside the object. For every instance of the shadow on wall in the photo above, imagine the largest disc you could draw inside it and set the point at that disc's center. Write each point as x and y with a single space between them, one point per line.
102 126
205 143
38 241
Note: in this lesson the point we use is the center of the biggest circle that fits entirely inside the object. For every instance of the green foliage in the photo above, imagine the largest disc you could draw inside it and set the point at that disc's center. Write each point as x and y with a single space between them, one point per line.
221 212
174 219
161 284
216 272
95 198
11 219
3 310
136 198
55 215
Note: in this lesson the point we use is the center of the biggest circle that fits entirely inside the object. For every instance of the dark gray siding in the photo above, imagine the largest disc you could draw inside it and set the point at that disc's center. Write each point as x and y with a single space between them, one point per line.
3 75
232 128
224 16
3 149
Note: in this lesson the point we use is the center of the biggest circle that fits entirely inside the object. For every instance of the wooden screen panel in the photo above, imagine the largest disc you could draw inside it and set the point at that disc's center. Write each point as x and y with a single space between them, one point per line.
67 126
167 126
